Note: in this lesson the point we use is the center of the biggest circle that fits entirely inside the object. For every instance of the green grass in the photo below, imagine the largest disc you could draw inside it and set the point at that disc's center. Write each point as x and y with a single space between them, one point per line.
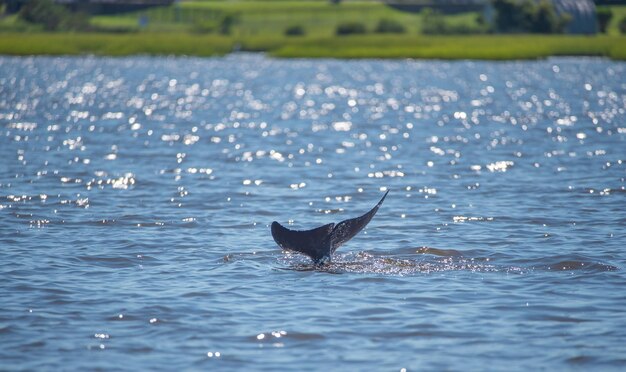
489 47
113 44
115 23
619 13
273 17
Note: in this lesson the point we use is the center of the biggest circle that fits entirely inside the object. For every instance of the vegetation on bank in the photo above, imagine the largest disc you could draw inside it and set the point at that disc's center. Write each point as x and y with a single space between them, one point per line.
114 44
487 47
617 21
484 47
317 18
307 28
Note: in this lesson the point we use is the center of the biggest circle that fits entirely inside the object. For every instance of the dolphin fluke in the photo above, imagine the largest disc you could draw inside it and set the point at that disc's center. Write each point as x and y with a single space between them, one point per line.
320 243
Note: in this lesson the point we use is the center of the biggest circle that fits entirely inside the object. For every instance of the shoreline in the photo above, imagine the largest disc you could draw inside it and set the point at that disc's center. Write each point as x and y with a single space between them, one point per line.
251 54
472 47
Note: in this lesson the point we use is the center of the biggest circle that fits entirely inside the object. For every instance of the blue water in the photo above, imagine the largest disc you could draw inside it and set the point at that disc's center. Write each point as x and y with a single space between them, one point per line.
136 196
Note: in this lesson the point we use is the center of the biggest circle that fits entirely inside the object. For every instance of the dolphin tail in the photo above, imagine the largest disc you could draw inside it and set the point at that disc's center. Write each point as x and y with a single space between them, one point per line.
313 243
346 230
320 243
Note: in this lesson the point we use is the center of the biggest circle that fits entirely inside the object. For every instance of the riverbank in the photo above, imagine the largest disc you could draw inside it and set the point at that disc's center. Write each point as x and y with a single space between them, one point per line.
483 47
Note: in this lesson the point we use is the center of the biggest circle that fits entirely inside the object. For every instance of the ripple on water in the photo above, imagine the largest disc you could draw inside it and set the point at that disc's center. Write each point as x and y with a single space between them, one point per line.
442 260
366 263
571 263
111 262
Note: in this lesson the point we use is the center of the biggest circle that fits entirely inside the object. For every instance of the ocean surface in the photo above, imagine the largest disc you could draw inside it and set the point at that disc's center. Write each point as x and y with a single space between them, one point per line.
136 196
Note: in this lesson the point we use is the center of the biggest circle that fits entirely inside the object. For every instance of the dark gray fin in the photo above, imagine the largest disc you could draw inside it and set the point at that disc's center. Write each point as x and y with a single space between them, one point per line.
313 243
346 230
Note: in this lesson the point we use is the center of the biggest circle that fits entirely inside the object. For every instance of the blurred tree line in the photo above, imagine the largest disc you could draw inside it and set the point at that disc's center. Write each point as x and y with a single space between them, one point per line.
53 17
512 16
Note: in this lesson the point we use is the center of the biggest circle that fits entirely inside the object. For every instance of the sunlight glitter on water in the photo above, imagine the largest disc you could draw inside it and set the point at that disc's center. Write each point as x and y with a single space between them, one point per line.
145 187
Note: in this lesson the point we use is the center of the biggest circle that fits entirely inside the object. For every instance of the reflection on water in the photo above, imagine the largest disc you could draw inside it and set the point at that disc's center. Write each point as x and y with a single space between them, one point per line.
403 262
136 196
